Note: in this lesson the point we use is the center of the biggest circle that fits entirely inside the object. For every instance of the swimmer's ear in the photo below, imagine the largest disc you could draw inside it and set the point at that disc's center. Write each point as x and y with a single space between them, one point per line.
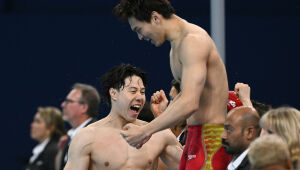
113 93
156 17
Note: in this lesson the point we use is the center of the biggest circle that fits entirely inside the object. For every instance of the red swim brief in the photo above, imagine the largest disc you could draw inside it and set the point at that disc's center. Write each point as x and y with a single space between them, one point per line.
203 149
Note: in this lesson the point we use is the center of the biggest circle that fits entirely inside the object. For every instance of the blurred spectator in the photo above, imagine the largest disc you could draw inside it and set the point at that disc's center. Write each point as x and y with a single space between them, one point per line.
269 152
47 127
80 108
284 122
241 128
261 108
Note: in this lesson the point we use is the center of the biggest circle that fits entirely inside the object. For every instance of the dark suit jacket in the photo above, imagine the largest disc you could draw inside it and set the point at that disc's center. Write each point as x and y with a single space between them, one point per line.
46 159
245 164
66 147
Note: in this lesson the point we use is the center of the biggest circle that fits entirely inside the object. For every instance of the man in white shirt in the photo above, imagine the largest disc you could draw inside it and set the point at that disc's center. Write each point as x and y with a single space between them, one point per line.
80 108
241 128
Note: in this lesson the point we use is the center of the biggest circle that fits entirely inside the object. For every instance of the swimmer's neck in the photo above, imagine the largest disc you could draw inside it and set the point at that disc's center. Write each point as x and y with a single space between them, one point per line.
175 28
114 120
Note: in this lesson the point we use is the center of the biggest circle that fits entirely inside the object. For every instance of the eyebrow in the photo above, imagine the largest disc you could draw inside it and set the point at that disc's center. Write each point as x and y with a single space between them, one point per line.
135 88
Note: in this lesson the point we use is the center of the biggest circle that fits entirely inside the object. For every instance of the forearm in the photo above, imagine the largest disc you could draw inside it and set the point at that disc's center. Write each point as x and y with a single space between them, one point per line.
246 102
180 110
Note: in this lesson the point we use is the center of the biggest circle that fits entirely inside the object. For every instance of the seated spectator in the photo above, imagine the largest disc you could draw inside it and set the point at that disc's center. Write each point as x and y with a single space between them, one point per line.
269 152
47 127
284 122
241 128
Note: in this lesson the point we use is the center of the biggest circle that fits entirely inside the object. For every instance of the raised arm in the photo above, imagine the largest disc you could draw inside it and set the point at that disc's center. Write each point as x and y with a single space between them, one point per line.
193 52
79 152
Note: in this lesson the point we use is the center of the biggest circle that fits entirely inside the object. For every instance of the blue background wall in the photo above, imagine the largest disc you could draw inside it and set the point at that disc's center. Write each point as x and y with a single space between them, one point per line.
46 46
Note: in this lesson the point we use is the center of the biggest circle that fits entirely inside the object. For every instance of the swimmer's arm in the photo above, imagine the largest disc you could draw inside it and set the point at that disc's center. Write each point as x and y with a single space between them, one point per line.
194 54
172 153
79 152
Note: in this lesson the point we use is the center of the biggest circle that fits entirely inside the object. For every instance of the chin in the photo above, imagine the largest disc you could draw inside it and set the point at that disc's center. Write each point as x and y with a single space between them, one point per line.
159 43
131 119
65 118
33 137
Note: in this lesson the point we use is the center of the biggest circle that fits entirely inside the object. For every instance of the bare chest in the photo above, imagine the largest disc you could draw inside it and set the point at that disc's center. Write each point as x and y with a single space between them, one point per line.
114 153
176 65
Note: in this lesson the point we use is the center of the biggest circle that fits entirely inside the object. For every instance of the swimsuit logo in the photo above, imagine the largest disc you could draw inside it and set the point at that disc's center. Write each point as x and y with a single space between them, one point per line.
232 103
191 157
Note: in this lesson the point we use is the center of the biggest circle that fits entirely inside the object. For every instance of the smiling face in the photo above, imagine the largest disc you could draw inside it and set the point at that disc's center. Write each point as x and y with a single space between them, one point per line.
130 99
148 31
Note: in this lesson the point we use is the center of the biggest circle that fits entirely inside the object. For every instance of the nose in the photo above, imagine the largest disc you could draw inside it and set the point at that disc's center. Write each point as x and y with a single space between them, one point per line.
223 135
140 97
63 104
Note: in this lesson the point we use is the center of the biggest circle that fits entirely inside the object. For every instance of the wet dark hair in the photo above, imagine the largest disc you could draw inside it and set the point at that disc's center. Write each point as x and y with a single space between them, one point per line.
142 9
261 108
115 78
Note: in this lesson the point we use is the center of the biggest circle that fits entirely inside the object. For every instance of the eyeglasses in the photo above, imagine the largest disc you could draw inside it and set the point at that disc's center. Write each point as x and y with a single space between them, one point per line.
68 101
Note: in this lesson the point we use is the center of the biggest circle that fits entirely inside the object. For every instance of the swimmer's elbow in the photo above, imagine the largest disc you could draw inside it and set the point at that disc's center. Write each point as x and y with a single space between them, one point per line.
190 108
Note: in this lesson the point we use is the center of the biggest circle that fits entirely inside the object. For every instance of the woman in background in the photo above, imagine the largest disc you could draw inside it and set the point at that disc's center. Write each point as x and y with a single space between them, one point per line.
47 127
284 122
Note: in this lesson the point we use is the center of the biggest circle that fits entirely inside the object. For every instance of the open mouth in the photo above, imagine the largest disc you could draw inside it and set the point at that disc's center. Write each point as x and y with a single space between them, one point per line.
135 108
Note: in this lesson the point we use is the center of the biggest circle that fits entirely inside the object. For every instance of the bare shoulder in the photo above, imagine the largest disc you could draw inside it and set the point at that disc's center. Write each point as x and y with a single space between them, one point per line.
101 127
83 136
195 41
